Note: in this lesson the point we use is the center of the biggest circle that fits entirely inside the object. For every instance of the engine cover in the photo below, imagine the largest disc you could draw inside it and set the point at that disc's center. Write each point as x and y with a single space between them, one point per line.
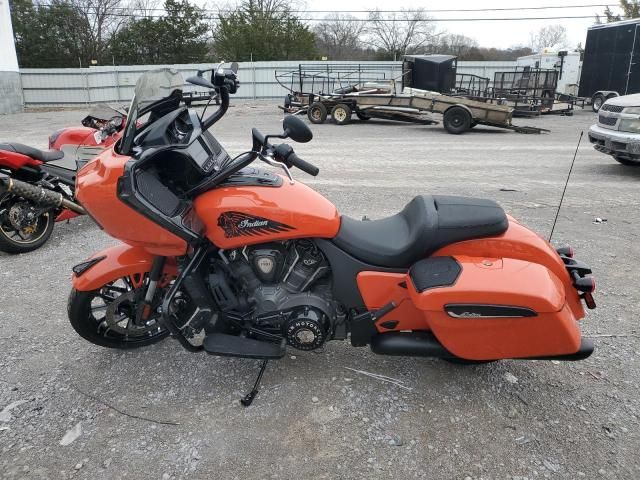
307 328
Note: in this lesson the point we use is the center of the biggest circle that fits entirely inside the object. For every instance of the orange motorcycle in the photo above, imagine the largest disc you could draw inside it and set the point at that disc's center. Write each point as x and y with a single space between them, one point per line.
238 261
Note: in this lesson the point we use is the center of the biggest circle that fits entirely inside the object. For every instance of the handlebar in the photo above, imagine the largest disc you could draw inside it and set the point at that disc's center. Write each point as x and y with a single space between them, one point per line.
225 82
285 154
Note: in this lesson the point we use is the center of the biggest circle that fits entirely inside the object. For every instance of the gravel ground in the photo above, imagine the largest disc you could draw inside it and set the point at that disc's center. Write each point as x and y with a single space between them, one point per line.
314 418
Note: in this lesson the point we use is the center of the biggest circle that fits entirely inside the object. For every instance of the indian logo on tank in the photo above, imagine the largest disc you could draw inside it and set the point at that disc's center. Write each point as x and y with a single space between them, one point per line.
236 224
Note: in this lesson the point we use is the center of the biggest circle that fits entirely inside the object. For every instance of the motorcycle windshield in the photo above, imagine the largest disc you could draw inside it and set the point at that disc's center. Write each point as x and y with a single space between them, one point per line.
152 89
105 112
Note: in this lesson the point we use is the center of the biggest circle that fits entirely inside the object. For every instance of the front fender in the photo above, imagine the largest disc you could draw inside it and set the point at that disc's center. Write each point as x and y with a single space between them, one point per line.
114 263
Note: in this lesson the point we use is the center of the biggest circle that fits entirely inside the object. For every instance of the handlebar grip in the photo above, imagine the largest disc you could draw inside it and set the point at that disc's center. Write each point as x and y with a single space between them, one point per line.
303 165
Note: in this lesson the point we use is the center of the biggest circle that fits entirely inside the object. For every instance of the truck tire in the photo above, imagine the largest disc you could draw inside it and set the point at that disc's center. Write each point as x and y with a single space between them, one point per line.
457 120
362 116
627 162
341 114
317 113
597 102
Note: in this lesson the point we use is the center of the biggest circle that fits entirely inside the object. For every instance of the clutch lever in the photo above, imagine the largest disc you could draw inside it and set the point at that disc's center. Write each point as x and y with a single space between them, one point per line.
275 163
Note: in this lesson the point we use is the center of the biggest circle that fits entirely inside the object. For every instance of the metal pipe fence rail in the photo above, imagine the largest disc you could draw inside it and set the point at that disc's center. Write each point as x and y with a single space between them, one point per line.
68 87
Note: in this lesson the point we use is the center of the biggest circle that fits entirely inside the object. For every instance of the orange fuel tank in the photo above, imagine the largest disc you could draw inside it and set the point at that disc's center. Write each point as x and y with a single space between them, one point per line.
242 215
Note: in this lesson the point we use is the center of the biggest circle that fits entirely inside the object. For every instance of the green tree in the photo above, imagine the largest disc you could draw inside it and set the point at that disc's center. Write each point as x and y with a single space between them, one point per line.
178 37
65 33
263 30
630 9
48 36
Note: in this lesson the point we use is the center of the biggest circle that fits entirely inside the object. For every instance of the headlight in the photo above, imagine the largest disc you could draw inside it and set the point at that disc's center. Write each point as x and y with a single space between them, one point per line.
632 110
629 125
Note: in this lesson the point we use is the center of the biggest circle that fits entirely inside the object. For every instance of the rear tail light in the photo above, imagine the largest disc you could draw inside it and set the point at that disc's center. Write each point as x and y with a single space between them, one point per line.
585 284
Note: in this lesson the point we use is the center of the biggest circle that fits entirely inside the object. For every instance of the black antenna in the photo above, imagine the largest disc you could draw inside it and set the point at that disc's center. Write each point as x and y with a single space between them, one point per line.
565 186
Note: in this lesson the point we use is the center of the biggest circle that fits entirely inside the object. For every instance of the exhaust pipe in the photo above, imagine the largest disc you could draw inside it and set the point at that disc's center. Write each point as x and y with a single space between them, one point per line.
425 344
38 195
414 344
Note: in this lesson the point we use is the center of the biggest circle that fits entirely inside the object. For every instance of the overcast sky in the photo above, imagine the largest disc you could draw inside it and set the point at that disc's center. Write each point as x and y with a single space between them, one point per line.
500 34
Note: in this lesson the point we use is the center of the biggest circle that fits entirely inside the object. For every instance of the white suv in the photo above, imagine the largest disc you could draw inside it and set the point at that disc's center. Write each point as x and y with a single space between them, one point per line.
617 132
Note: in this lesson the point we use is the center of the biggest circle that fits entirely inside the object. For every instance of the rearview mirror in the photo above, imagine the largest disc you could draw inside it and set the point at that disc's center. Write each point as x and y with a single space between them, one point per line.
200 81
234 67
296 129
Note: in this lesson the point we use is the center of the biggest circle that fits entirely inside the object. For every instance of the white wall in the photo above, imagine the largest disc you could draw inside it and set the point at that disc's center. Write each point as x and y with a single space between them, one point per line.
8 58
80 86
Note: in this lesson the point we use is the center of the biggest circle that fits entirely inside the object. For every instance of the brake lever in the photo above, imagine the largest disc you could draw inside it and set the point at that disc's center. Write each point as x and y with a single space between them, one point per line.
275 163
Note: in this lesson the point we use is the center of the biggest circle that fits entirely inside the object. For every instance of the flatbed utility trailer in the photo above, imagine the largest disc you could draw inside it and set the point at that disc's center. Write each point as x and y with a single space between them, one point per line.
460 114
531 92
313 91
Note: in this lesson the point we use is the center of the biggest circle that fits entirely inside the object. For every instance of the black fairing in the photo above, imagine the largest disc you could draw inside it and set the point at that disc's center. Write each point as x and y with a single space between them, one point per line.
252 177
178 221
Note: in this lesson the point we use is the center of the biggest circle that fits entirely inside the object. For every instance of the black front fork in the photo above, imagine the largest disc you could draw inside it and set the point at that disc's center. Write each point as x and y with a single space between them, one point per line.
191 280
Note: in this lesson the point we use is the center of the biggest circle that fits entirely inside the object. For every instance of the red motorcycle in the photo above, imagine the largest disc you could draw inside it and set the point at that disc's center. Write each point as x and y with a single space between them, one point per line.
39 184
237 261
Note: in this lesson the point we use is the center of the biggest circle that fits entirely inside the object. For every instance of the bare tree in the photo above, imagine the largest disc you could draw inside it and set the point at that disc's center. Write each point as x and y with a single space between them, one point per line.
397 34
553 35
338 36
102 20
145 8
455 44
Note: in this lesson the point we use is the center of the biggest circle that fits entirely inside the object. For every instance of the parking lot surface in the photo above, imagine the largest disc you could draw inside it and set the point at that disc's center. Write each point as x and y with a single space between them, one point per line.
315 417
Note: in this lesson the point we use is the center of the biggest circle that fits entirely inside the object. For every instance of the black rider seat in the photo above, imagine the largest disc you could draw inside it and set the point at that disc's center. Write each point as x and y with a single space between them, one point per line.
426 224
42 155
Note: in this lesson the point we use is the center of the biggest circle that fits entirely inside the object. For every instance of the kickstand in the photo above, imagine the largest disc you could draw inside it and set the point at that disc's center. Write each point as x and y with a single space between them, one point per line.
248 398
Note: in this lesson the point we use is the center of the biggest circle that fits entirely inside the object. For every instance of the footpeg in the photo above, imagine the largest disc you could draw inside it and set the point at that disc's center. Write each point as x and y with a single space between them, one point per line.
233 346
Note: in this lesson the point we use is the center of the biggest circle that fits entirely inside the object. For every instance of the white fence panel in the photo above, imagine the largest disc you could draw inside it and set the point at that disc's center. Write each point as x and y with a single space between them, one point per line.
81 86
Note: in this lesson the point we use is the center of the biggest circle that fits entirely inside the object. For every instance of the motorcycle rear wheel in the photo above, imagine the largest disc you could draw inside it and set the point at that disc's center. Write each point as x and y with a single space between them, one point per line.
22 240
106 316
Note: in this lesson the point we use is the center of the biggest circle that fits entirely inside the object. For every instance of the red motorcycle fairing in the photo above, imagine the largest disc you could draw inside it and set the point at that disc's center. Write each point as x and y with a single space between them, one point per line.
15 161
117 262
246 215
72 136
96 189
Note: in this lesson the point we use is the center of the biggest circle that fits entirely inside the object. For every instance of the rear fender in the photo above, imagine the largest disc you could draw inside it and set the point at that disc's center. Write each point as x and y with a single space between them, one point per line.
66 214
114 263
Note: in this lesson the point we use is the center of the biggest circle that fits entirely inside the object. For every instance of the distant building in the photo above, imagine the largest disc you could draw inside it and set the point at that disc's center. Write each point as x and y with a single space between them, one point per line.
10 87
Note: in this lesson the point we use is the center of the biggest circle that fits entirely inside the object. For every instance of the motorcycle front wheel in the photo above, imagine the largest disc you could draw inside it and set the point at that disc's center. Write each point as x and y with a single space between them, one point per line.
107 316
19 233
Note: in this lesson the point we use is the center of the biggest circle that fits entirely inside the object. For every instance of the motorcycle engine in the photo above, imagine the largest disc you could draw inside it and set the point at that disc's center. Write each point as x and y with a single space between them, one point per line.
285 289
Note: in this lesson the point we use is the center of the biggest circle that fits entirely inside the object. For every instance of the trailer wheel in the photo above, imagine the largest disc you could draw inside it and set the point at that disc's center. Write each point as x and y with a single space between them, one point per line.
341 114
457 120
362 116
317 113
597 102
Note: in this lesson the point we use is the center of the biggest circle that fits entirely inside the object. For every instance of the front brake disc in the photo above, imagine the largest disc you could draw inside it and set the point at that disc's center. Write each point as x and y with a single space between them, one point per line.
120 317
